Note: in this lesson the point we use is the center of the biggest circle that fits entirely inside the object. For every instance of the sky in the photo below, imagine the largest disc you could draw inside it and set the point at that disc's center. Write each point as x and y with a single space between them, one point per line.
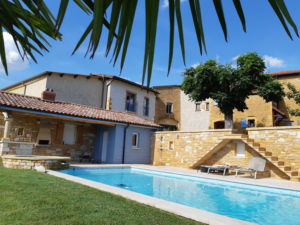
265 35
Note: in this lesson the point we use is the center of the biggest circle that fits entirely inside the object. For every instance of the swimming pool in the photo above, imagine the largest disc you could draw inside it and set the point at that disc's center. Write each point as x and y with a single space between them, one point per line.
256 204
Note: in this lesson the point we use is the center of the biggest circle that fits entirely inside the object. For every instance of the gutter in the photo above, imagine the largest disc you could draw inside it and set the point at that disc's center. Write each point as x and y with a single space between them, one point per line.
124 144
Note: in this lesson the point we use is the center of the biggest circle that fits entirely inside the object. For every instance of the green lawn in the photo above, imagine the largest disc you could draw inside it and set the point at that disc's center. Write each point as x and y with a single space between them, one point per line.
28 198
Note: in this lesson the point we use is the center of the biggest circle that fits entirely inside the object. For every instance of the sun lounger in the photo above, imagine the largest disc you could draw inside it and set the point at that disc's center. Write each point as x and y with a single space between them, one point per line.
216 168
256 165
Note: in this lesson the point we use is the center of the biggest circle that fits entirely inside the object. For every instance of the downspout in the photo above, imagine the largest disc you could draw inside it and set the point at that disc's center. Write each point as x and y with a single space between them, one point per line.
102 94
107 85
124 143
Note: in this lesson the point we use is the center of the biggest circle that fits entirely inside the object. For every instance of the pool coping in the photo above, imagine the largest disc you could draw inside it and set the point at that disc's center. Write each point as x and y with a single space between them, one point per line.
178 209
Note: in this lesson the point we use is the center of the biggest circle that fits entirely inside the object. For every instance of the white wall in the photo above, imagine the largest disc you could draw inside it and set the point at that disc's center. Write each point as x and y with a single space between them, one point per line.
79 90
190 119
117 96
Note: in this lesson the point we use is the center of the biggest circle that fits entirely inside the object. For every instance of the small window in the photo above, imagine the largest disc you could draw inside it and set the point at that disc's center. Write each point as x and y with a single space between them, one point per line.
69 134
169 108
207 106
198 106
146 106
251 123
135 140
171 145
240 149
20 131
130 104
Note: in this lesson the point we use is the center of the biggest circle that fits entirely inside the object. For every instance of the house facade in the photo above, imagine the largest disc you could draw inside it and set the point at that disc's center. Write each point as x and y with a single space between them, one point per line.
261 113
45 126
97 90
174 110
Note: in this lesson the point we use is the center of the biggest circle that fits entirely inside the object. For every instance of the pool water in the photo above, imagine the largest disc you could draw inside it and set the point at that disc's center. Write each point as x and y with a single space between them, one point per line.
256 204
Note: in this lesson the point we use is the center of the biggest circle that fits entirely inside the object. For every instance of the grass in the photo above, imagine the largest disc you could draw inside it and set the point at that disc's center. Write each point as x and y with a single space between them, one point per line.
29 197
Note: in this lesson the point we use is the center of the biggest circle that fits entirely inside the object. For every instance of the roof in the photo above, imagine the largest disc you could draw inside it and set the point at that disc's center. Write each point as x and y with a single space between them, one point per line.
166 86
288 72
70 109
96 75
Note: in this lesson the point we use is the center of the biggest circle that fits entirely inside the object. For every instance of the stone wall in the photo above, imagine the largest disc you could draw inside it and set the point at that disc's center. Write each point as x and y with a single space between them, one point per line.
259 110
184 149
212 147
283 142
31 162
24 132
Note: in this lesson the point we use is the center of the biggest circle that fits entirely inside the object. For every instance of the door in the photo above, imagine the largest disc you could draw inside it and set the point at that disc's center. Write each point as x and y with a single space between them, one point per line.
104 146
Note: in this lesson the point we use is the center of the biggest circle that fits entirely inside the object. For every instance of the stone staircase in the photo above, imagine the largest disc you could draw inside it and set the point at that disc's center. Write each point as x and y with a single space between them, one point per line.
276 164
280 166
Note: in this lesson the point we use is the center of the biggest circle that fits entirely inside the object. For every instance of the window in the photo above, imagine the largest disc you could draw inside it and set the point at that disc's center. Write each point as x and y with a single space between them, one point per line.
169 108
20 131
207 106
130 105
69 134
135 140
146 106
240 149
251 123
198 106
171 145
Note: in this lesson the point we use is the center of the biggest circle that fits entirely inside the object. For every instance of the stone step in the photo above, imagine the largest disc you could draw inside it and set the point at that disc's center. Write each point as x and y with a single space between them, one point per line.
273 158
295 179
268 153
286 168
280 163
262 149
294 173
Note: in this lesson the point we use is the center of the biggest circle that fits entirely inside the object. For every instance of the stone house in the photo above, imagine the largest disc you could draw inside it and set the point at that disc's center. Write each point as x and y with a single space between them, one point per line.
261 113
44 126
98 90
174 110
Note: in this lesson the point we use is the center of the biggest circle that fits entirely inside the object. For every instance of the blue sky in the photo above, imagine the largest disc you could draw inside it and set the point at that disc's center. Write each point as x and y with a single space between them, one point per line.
265 35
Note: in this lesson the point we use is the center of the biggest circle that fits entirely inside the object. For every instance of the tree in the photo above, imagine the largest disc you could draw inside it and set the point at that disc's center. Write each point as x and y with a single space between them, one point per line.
31 23
229 87
294 94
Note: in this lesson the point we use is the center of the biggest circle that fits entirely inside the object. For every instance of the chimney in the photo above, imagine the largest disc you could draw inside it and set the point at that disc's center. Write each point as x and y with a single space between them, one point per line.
48 95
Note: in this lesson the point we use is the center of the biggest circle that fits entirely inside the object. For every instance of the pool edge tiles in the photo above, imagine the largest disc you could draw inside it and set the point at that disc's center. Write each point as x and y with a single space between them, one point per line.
179 209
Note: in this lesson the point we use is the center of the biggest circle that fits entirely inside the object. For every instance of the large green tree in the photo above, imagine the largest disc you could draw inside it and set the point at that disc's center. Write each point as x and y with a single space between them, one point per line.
32 24
294 94
230 86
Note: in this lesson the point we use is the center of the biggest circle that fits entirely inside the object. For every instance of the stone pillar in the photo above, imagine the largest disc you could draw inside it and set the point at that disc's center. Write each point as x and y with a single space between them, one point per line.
7 126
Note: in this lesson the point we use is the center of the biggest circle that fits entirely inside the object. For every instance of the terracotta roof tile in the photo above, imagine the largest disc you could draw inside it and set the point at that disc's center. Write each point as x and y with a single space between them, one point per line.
288 72
70 109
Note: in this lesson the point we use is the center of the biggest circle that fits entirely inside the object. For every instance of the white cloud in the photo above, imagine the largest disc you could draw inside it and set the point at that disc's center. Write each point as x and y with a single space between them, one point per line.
235 58
273 62
166 3
14 60
270 61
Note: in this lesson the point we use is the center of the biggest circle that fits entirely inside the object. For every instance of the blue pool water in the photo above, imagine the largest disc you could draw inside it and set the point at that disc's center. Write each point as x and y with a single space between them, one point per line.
262 205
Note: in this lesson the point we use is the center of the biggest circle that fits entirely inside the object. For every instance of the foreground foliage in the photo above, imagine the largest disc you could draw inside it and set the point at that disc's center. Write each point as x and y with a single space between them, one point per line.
31 22
29 197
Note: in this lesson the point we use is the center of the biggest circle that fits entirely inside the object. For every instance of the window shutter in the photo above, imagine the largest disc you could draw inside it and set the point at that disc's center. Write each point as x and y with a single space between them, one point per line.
79 135
59 133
